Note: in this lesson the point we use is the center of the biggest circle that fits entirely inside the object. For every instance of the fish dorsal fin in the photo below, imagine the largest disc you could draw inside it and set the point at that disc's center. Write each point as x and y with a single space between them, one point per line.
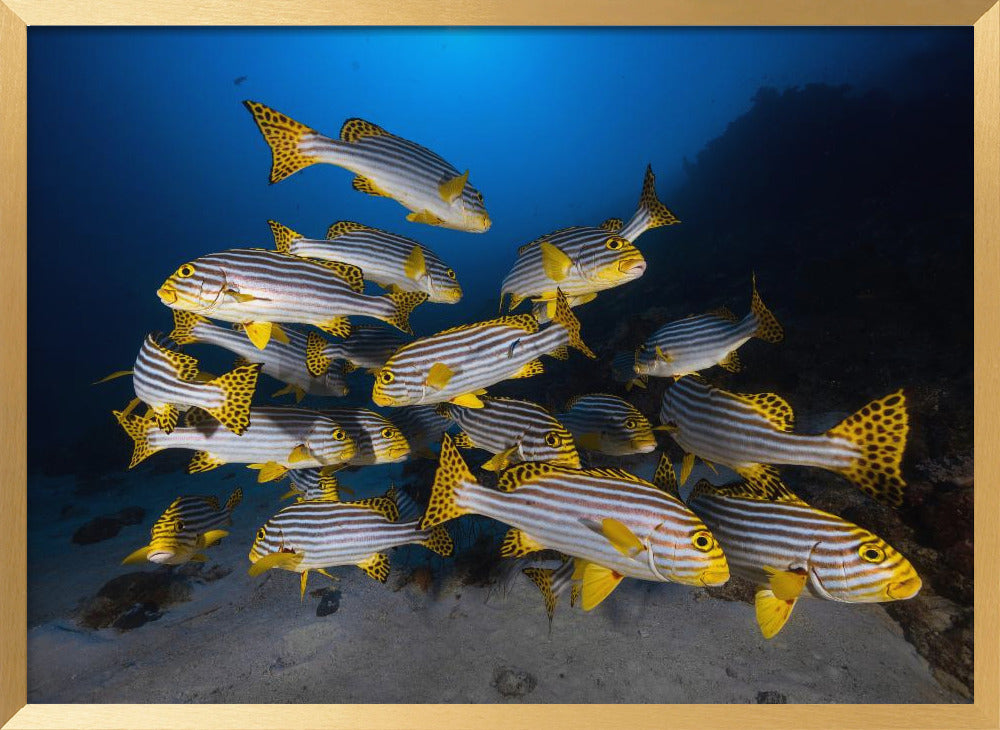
355 129
614 474
526 322
523 473
349 273
385 506
185 365
760 483
528 246
342 228
772 406
612 225
665 479
724 313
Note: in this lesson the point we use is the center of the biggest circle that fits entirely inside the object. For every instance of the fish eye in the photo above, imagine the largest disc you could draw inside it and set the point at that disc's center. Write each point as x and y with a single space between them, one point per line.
871 553
261 534
385 376
614 243
185 271
552 439
339 434
389 433
450 273
702 540
631 423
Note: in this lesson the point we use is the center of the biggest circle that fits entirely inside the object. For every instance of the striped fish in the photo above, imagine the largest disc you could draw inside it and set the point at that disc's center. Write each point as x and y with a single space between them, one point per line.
188 526
457 364
623 371
422 427
584 260
385 165
514 431
315 484
277 440
376 439
259 288
283 361
368 346
314 535
169 381
391 261
553 582
608 424
745 431
791 550
703 340
615 524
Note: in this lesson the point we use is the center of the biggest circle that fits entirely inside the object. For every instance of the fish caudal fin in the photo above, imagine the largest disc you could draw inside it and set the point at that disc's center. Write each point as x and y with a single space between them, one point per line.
879 430
564 316
650 213
285 137
542 577
768 328
405 302
138 430
451 473
439 541
183 331
237 388
284 237
317 361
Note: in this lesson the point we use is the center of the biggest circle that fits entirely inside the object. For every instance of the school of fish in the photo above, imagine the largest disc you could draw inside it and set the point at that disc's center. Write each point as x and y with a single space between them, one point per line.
602 524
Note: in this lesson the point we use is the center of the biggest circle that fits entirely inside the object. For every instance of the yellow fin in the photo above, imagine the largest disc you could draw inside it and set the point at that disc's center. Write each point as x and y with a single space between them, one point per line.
298 454
724 313
184 323
258 332
439 375
686 466
564 317
463 441
284 237
234 499
467 400
516 544
598 582
623 539
786 585
656 212
555 263
772 612
530 369
523 473
317 362
499 462
665 356
341 228
451 473
364 185
376 566
237 388
560 353
198 558
405 302
283 391
542 577
424 216
524 322
268 472
612 225
337 326
213 536
115 374
355 129
185 366
285 561
731 362
439 541
451 189
415 266
352 275
772 406
383 505
664 477
284 136
768 328
138 556
238 296
203 461
303 581
761 483
165 417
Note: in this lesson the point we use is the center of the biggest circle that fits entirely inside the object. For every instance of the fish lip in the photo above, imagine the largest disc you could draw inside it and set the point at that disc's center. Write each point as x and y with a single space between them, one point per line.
632 267
167 295
710 576
160 557
915 583
382 400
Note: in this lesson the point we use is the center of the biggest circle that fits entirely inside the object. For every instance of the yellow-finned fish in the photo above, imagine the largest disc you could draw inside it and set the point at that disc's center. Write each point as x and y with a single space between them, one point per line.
700 341
423 429
391 261
608 424
277 440
260 289
791 550
315 484
745 431
188 526
314 535
615 524
368 346
623 371
584 260
458 364
433 190
377 440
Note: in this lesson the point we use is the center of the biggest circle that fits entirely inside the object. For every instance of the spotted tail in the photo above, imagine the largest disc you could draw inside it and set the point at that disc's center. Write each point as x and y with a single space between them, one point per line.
439 541
237 386
184 324
138 430
564 316
768 328
317 361
285 137
234 500
879 430
451 474
405 302
650 213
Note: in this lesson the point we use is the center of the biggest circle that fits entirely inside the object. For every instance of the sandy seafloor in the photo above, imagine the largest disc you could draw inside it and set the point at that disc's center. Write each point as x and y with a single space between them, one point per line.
243 639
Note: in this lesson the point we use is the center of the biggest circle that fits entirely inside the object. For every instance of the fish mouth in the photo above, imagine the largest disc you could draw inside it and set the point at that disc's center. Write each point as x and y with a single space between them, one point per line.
160 557
901 590
167 294
397 453
383 400
485 223
632 267
714 576
451 296
644 444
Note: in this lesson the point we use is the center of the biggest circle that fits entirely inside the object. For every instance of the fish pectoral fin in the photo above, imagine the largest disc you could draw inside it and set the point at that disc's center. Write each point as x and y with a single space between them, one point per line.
772 612
439 375
283 391
516 544
291 493
259 333
299 453
137 556
285 561
269 471
376 566
424 216
415 266
213 536
115 374
555 263
279 334
598 583
623 539
452 188
499 462
686 466
237 296
665 356
467 400
786 585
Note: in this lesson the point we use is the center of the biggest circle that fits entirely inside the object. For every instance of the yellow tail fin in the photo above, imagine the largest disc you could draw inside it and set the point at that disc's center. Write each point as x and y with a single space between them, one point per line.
451 473
879 430
284 136
183 331
650 207
439 541
138 430
284 237
406 302
768 328
317 362
564 316
542 577
237 387
234 499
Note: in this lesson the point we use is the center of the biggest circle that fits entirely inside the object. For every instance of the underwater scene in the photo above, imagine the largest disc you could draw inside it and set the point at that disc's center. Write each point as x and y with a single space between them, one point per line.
500 365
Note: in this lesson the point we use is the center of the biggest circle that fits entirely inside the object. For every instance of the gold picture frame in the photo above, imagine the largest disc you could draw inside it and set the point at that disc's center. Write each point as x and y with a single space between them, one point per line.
16 15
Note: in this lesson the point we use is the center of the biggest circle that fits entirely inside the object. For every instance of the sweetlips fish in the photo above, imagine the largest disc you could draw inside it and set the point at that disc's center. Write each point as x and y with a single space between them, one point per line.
377 440
608 424
747 431
277 440
169 381
584 260
456 365
514 431
422 427
700 341
315 484
393 262
188 526
553 582
284 361
260 289
614 524
384 164
368 346
791 550
318 534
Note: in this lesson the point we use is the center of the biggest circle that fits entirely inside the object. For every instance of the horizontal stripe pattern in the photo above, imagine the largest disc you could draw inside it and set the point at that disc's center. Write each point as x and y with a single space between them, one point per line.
422 427
377 440
608 424
156 382
368 346
692 344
